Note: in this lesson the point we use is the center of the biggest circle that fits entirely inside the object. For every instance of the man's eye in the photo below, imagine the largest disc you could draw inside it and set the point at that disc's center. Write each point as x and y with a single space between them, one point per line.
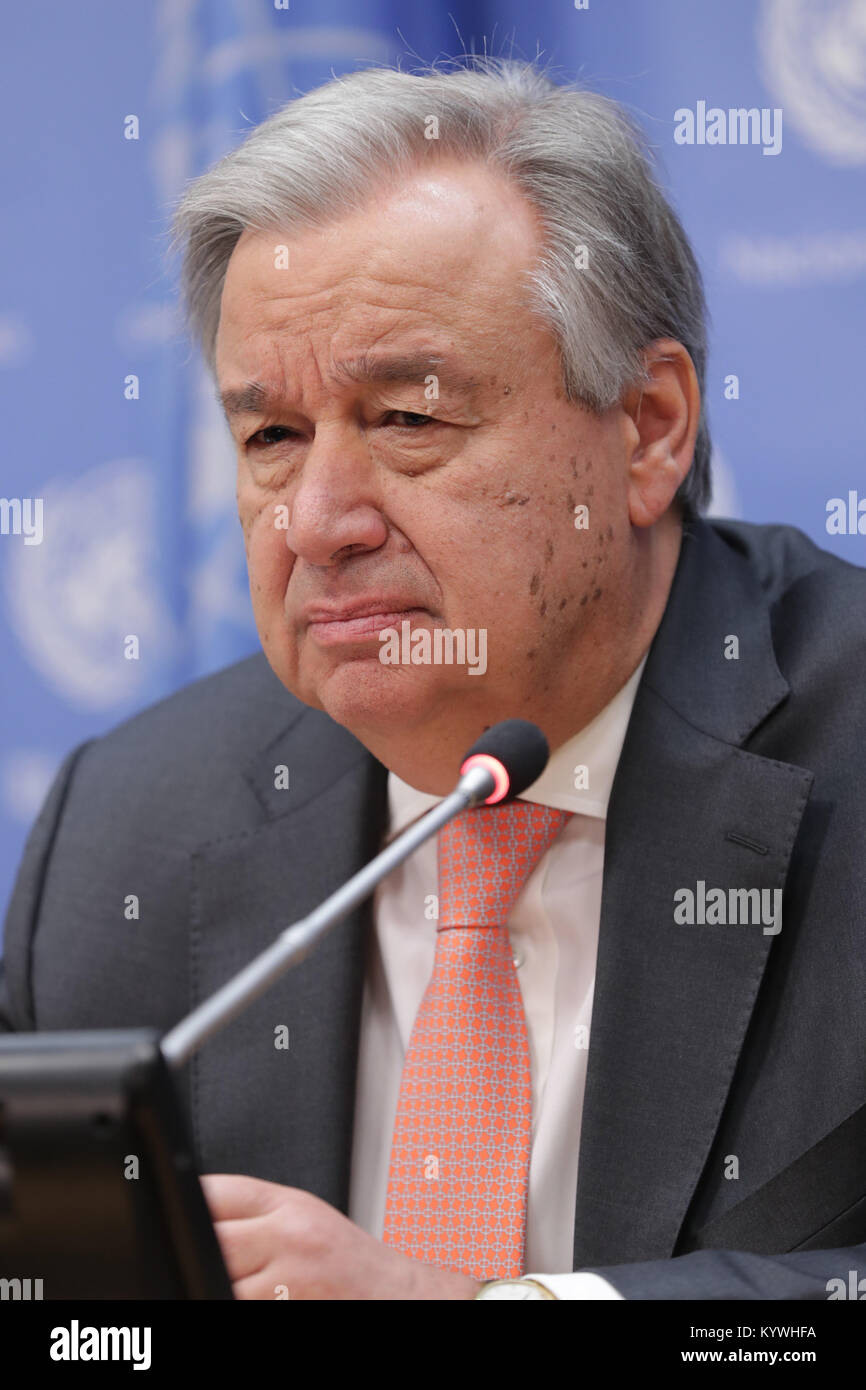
409 419
259 441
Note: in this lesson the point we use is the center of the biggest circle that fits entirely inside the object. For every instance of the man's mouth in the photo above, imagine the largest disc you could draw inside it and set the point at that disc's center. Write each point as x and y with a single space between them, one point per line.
359 621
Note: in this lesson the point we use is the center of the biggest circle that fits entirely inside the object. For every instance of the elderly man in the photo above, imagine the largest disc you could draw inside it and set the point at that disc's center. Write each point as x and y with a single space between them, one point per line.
458 336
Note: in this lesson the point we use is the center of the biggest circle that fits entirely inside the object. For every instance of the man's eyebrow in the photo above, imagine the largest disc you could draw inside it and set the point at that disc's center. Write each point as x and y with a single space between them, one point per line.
249 399
415 367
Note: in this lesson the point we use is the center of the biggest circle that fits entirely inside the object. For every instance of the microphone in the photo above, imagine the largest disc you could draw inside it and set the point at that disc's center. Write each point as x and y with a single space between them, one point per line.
504 761
515 753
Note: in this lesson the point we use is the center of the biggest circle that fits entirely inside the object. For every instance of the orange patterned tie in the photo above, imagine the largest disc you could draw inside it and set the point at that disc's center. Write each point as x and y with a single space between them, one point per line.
459 1172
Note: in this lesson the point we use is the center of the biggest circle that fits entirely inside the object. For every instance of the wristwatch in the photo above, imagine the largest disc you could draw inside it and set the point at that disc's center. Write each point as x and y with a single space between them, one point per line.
514 1288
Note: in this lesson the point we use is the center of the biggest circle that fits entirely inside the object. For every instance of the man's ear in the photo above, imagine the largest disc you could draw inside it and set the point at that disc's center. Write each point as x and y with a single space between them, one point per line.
663 417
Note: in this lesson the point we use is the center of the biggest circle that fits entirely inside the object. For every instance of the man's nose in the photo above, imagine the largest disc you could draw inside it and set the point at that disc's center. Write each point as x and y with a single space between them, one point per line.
334 508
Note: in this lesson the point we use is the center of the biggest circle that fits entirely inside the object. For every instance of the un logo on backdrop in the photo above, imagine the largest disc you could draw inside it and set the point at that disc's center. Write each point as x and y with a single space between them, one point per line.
73 601
813 54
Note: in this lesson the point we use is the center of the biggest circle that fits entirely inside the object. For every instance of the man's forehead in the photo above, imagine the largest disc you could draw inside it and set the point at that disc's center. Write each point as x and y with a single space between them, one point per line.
424 232
463 298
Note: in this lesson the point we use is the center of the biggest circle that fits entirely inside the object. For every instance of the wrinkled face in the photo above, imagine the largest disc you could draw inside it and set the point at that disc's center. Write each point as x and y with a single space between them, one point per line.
406 455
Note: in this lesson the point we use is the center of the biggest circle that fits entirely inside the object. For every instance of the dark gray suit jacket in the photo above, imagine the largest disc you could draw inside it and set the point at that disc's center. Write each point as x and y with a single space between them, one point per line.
708 1043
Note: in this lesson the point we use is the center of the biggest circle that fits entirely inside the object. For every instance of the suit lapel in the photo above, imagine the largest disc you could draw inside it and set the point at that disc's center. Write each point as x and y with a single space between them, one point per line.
673 1002
290 1107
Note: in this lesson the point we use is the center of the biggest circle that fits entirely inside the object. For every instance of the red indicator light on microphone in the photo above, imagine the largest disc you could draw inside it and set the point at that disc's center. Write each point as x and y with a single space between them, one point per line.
493 766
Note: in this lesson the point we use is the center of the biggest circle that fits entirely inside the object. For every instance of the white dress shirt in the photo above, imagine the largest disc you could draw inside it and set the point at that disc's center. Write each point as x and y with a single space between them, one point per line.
553 928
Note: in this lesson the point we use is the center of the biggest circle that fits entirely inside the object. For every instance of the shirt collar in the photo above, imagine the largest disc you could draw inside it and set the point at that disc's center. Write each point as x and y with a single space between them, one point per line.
596 748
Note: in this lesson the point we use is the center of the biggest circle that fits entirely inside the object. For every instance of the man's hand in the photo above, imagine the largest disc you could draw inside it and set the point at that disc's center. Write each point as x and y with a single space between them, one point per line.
280 1242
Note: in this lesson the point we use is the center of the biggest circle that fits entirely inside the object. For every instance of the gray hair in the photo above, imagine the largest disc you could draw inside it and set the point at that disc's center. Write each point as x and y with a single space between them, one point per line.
575 155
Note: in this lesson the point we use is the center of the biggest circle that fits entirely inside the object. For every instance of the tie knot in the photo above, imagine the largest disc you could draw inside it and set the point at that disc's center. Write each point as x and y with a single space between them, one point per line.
486 855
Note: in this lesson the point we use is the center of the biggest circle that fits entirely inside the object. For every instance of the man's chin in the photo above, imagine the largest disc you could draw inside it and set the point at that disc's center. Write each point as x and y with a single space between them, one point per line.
367 697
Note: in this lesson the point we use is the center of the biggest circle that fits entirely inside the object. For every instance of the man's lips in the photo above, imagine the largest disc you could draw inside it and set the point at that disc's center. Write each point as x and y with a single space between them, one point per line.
357 621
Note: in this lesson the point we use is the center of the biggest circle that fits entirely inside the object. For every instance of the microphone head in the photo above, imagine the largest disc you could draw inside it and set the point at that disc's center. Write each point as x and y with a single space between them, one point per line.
515 751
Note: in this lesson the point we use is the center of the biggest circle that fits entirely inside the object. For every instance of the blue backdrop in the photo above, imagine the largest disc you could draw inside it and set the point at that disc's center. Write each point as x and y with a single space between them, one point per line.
138 530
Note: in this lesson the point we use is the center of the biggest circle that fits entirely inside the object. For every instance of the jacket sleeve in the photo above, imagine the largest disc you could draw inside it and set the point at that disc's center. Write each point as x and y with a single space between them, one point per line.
22 918
820 1275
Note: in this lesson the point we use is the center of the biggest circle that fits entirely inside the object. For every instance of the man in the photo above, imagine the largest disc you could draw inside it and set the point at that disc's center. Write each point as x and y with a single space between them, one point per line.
458 335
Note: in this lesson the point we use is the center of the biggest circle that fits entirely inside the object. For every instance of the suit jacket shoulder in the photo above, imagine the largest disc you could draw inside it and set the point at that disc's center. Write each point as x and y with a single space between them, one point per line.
115 837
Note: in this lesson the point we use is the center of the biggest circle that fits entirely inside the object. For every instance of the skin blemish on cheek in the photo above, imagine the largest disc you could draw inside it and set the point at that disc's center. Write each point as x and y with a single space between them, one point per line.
543 609
534 583
562 603
597 594
515 499
548 551
573 462
530 655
